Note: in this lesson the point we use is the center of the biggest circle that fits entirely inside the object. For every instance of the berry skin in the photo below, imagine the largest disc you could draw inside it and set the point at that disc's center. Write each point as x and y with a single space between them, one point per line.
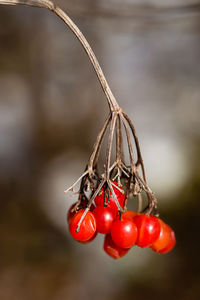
113 250
124 233
163 243
87 228
99 200
148 230
90 240
104 219
166 240
171 244
72 212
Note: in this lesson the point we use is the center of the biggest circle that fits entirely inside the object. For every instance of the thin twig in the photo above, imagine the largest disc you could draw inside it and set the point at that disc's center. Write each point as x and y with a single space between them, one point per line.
125 173
118 188
75 183
64 17
110 140
114 196
127 192
139 155
129 144
119 141
97 145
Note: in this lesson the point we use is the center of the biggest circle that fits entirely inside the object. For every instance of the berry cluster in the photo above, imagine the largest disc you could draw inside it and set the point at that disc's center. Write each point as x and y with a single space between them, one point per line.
107 186
122 230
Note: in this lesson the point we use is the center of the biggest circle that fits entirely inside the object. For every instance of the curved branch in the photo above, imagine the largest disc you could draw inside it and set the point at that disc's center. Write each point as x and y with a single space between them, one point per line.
64 17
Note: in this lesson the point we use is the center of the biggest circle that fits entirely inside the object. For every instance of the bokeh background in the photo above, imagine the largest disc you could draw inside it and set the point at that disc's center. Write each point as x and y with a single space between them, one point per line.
51 108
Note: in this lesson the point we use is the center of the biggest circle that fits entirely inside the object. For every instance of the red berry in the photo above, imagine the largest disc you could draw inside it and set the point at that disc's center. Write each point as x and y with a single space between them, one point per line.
71 212
148 230
113 250
171 244
99 200
124 233
87 228
104 219
166 240
90 240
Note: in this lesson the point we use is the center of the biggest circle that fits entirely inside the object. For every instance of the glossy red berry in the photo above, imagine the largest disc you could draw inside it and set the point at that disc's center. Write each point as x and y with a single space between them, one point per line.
87 228
166 240
71 212
90 240
124 233
148 230
99 200
171 243
112 249
104 219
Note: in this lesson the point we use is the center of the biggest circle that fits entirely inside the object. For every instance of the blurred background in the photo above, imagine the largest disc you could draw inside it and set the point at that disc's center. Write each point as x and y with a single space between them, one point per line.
51 109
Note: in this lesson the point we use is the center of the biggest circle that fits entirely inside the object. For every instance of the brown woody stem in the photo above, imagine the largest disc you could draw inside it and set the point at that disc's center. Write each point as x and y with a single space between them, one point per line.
110 141
67 20
139 155
97 145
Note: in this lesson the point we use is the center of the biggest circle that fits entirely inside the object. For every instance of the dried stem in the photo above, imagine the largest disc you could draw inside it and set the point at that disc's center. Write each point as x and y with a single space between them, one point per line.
139 155
129 145
64 17
120 209
110 141
71 188
119 142
96 148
